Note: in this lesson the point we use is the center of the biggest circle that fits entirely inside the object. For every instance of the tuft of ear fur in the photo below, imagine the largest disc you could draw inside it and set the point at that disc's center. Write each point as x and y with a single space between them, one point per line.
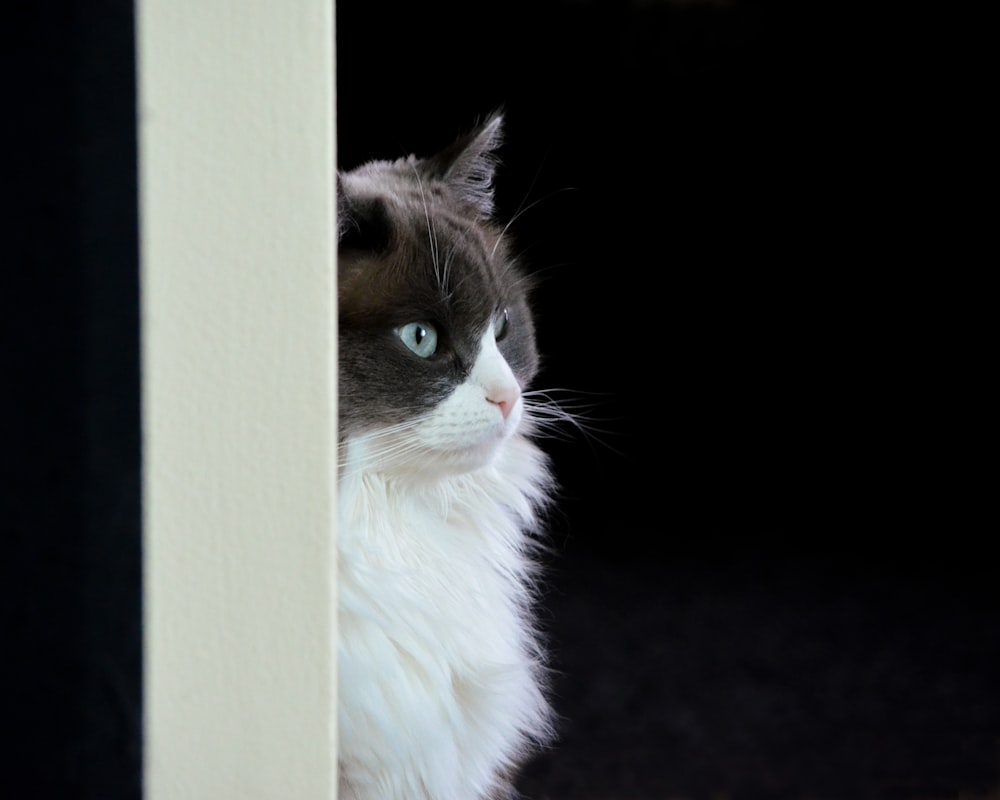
470 163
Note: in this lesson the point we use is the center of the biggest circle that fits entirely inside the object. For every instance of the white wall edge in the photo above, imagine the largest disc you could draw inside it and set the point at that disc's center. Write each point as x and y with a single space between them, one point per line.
238 250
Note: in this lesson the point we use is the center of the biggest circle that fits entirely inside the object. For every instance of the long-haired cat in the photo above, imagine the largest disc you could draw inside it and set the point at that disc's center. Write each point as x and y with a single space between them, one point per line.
440 669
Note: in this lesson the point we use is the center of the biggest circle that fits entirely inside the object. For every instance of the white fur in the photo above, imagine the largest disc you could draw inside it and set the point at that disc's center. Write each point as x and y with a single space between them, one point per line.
439 667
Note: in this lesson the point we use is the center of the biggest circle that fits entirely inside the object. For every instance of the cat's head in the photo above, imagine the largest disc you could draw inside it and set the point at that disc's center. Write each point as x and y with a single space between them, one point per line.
436 338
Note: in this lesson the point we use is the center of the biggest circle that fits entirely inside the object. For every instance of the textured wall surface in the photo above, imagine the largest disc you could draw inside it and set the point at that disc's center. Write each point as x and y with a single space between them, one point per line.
237 233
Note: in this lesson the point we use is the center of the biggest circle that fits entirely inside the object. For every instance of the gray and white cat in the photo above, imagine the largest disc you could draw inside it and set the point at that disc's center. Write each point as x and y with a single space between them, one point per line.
440 668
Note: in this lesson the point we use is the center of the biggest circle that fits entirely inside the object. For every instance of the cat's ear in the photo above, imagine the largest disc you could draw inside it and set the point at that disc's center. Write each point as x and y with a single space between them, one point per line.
469 165
363 223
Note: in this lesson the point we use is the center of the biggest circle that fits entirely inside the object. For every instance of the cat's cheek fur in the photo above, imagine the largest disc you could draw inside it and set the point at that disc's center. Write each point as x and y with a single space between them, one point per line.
466 430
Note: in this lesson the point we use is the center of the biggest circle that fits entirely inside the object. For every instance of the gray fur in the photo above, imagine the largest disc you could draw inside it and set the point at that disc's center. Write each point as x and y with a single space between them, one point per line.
417 242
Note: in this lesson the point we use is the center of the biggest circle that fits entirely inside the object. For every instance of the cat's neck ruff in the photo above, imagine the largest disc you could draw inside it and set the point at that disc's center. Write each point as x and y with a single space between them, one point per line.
515 478
434 583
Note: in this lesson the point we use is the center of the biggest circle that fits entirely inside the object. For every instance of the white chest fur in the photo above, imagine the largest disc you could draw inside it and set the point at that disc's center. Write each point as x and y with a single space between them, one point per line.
438 664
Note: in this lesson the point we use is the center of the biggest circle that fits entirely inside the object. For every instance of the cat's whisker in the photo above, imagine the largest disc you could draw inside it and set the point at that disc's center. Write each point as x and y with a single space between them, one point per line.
550 417
400 454
456 287
512 275
390 433
538 272
520 207
449 258
517 212
431 232
384 444
524 209
574 394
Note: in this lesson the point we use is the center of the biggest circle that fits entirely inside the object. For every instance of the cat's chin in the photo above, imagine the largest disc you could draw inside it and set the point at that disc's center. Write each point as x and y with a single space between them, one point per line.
457 461
426 457
450 454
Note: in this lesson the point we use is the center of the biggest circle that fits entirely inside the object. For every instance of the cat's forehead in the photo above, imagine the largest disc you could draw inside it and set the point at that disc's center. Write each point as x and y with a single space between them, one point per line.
441 264
402 184
434 241
437 273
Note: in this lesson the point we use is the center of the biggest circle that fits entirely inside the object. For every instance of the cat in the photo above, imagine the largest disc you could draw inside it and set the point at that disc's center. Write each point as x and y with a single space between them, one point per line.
441 487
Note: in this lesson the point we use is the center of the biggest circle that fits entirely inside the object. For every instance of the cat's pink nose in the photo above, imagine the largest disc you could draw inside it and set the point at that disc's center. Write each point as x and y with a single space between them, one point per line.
505 397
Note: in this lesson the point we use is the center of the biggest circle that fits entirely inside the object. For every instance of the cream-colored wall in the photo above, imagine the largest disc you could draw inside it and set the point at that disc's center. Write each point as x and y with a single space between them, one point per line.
237 207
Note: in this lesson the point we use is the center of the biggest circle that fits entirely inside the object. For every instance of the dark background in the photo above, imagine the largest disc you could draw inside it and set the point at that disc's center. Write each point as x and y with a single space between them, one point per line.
771 573
726 222
69 404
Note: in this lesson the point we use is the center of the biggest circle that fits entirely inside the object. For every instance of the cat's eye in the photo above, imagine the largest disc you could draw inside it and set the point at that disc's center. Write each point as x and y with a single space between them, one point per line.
500 325
420 337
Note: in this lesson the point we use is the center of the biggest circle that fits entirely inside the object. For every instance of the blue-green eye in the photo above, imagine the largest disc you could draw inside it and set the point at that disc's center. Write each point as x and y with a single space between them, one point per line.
500 325
420 337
